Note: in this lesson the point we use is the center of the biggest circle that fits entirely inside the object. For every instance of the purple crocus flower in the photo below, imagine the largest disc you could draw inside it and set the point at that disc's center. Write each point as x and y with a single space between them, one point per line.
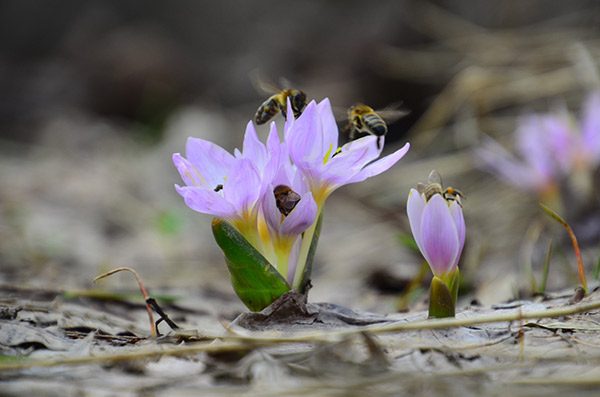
239 187
312 144
438 227
549 148
229 186
312 141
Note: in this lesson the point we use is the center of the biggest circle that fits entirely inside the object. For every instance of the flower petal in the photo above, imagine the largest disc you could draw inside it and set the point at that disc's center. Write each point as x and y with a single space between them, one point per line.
303 215
459 222
211 160
414 208
329 125
188 172
439 236
276 155
497 160
305 138
270 211
242 186
590 126
206 201
533 145
254 149
380 165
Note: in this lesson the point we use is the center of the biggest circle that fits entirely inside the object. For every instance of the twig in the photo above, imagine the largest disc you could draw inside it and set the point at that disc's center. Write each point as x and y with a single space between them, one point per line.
163 316
142 289
575 244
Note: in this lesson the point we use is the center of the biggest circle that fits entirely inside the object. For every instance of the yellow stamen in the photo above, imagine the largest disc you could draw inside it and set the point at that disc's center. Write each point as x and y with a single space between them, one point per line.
326 158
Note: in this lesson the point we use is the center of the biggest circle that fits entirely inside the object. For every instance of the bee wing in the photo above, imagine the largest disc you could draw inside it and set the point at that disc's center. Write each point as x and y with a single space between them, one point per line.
435 177
421 187
262 83
287 84
392 112
340 113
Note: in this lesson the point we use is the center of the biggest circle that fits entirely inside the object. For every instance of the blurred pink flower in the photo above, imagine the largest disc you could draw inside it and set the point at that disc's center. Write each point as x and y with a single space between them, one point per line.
549 147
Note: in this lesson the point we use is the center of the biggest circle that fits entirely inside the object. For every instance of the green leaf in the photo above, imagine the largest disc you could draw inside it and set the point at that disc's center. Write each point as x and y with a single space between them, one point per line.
408 241
441 302
255 281
311 254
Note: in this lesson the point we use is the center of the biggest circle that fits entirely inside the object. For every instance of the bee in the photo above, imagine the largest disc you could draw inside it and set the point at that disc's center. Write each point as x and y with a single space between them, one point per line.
277 102
286 199
435 187
219 187
363 119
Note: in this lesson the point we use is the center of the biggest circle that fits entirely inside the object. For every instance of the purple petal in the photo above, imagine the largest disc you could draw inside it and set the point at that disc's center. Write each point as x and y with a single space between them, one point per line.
357 153
532 144
439 236
459 222
289 120
276 155
254 149
330 129
211 160
270 211
303 215
188 172
591 126
414 208
560 141
206 201
305 138
497 160
380 165
340 170
242 187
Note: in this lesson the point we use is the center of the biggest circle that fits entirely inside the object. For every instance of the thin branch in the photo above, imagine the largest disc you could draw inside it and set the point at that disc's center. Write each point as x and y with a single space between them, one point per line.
142 289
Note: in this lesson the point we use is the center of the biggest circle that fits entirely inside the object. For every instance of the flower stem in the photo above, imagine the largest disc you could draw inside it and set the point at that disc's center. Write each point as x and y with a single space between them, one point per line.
307 239
441 302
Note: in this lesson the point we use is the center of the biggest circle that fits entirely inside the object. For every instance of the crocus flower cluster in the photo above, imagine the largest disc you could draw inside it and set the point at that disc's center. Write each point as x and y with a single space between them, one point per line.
438 227
239 187
550 147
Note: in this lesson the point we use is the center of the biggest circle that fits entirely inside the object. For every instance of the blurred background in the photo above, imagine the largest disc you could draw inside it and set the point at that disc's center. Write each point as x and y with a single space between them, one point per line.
95 97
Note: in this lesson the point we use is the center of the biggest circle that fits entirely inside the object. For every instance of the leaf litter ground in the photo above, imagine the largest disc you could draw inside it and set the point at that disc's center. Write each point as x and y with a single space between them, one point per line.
55 343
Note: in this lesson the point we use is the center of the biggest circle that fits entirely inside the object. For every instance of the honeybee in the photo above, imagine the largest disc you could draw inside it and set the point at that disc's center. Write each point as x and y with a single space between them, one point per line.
435 187
286 199
277 102
363 119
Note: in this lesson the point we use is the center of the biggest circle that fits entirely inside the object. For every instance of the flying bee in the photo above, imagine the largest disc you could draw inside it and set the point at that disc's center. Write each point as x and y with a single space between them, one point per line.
286 199
435 187
363 119
277 102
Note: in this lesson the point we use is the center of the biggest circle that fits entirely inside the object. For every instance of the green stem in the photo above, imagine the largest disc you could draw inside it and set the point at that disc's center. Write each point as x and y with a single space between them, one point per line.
304 250
546 269
441 301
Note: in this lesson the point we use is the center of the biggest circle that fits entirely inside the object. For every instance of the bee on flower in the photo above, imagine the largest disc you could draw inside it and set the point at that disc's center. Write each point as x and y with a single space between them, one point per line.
268 199
438 227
